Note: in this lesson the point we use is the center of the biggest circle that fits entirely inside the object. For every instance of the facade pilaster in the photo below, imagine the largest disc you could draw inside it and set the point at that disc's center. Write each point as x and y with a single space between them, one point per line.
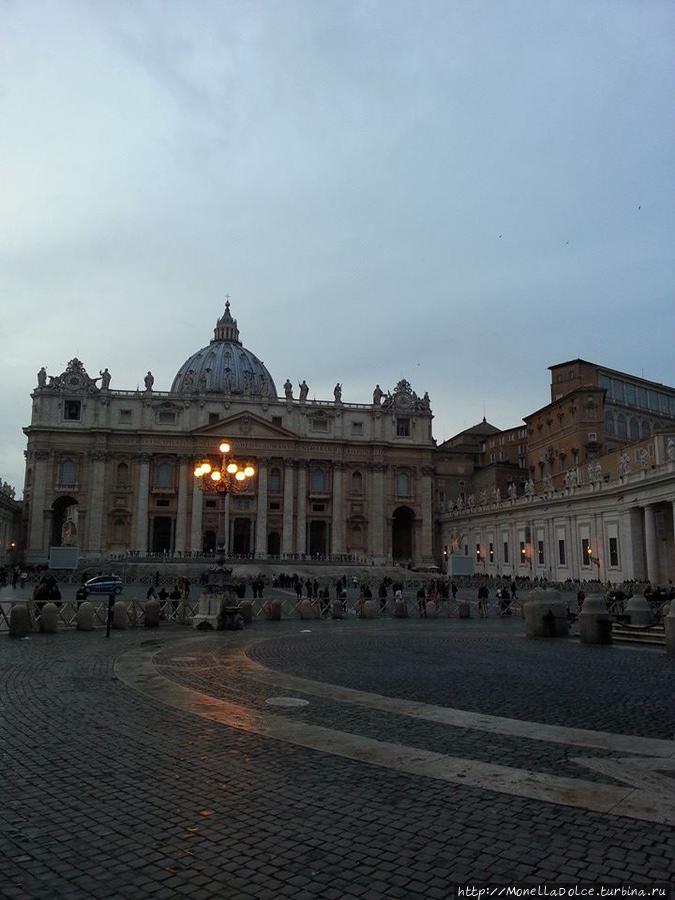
301 531
36 538
95 516
651 551
338 513
184 470
426 499
287 527
196 519
261 513
142 503
376 512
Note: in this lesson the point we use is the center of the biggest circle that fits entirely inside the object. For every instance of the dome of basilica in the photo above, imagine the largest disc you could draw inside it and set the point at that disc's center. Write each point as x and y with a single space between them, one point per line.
224 366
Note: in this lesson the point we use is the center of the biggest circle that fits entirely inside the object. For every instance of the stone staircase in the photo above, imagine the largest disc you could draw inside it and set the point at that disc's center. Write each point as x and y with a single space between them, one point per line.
648 635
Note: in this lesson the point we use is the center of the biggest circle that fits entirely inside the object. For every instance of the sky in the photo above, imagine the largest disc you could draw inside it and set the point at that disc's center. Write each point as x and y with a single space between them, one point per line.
460 193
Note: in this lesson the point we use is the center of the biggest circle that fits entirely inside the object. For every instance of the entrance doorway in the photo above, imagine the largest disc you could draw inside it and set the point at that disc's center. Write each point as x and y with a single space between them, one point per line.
209 543
161 534
64 522
241 537
273 543
402 534
318 538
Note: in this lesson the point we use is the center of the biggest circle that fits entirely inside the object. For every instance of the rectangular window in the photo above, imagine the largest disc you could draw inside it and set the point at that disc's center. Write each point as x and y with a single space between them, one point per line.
585 552
318 424
614 551
163 502
506 551
523 554
214 418
631 396
277 420
561 553
275 505
210 504
403 428
125 415
357 427
318 507
166 417
540 552
617 390
71 410
492 553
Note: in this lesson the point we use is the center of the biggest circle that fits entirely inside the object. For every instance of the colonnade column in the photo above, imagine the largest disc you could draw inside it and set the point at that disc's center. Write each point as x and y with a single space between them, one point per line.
301 533
287 526
185 465
338 516
36 541
196 520
96 495
376 511
426 496
650 545
261 516
142 503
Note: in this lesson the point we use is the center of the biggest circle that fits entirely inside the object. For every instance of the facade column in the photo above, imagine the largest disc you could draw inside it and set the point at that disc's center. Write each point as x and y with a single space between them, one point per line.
426 498
196 544
650 545
376 511
227 537
337 518
96 497
142 503
36 537
185 466
261 515
287 527
301 531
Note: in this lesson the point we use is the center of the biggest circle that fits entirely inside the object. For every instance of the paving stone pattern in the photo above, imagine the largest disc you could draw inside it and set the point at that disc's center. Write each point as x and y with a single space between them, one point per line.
107 794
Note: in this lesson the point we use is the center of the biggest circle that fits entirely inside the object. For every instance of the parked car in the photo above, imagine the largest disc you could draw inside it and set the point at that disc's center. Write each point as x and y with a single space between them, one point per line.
104 584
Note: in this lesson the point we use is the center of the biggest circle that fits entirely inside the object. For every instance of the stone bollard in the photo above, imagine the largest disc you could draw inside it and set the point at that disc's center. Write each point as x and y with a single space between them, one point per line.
400 609
49 619
19 621
464 609
669 622
431 609
120 615
246 610
85 617
595 624
306 610
133 614
336 610
371 609
273 610
151 614
639 611
545 615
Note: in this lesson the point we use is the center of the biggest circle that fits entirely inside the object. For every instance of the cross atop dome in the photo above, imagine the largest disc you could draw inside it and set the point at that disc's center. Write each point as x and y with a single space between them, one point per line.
226 327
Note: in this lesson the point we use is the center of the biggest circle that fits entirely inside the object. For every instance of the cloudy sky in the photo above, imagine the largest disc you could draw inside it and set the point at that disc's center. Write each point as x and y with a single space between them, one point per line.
462 193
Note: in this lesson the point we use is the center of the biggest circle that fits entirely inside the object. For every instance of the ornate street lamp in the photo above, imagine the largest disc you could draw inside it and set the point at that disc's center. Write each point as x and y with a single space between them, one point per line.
229 476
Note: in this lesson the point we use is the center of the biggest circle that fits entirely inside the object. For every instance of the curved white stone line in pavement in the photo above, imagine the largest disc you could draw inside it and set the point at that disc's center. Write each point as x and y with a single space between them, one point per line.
137 670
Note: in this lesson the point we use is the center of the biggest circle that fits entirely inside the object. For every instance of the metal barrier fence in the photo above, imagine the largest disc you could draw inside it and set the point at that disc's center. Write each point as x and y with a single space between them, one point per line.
182 611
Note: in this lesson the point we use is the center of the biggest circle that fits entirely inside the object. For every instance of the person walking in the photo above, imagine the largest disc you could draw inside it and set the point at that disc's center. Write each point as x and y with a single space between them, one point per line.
382 594
483 596
422 603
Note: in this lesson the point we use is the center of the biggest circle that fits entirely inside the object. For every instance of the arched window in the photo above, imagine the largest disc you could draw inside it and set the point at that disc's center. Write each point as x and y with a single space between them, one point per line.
317 481
609 423
357 536
123 474
164 475
645 428
403 484
67 472
275 481
119 531
357 483
634 429
621 427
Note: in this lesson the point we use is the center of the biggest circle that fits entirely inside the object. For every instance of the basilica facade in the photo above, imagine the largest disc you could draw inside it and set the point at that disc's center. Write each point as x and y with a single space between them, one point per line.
111 471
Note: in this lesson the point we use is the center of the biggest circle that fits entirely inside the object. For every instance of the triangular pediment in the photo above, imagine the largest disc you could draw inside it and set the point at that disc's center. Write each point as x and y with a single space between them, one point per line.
245 425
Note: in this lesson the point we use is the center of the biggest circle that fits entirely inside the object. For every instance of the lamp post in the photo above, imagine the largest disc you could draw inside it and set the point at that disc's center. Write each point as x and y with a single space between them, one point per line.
228 476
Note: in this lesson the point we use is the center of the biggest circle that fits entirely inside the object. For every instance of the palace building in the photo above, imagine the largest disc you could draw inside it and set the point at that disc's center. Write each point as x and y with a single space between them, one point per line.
111 471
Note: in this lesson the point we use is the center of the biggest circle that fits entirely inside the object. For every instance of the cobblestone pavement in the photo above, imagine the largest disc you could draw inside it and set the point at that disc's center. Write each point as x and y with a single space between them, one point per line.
109 793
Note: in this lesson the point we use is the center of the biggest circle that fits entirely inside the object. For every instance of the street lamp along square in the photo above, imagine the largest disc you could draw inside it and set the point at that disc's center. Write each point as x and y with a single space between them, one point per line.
226 477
